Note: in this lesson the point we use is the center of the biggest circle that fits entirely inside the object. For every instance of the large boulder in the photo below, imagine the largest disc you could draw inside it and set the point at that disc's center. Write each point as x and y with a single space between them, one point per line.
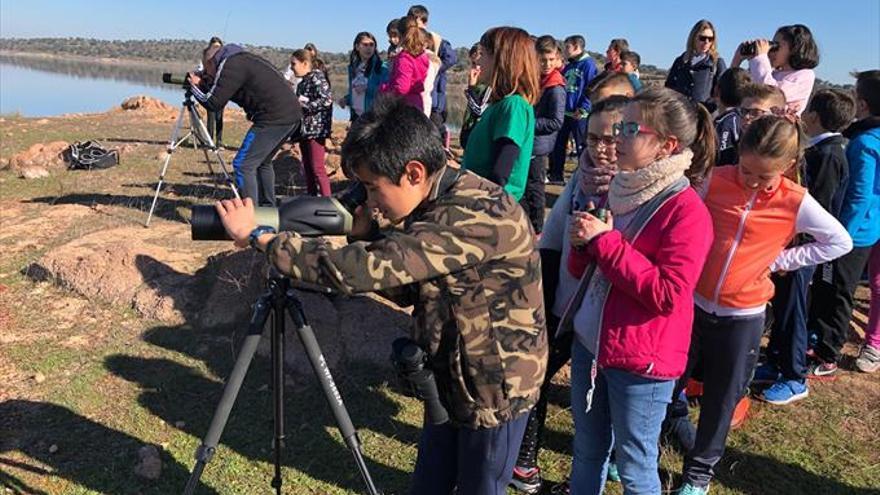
39 159
164 276
129 266
151 107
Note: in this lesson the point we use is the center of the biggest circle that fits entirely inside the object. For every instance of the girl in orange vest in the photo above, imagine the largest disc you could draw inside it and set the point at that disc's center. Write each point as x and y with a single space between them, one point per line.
756 212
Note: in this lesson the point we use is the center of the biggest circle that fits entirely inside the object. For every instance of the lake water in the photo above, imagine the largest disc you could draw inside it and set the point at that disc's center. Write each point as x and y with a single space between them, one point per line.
44 88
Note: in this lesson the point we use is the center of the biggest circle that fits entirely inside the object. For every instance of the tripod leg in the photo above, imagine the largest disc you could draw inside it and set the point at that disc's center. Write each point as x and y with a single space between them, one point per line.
172 145
198 129
278 388
331 392
206 450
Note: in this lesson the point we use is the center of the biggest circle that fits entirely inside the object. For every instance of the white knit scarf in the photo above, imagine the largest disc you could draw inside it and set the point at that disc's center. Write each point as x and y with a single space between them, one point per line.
630 189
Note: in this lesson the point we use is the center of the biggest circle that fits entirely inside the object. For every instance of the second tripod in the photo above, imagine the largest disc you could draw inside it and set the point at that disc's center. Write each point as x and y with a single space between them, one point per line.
200 138
279 299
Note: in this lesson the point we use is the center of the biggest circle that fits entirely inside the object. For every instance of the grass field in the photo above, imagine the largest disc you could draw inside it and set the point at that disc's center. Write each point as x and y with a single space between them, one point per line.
85 383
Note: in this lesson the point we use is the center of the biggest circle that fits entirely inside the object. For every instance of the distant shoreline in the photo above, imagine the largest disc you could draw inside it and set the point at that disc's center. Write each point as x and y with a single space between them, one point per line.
119 62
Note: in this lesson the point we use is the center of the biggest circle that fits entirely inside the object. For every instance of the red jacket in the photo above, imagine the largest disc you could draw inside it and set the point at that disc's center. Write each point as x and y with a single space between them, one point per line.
407 78
647 317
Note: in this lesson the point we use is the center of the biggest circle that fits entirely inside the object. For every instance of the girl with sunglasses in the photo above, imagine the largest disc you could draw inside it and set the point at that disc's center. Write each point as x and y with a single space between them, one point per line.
366 72
695 72
632 310
787 62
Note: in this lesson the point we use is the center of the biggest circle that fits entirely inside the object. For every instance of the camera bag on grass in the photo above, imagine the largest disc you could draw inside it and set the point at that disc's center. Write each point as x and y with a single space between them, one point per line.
91 155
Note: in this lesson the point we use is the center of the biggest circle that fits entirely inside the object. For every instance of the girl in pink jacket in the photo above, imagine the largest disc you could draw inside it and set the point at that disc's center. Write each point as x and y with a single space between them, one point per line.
633 310
410 67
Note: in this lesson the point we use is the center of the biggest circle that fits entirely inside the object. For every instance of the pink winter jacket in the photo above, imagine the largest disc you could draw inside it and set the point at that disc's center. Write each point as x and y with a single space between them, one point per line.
647 317
407 78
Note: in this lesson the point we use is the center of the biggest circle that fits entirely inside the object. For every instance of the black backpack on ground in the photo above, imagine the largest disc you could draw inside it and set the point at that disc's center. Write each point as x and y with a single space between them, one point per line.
90 155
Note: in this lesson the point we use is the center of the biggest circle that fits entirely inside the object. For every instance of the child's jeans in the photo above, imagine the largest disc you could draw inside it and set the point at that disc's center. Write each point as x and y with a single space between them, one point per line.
627 411
727 348
471 461
787 349
872 333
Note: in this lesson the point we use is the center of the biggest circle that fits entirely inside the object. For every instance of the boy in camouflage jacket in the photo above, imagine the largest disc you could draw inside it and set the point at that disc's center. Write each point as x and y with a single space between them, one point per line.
463 256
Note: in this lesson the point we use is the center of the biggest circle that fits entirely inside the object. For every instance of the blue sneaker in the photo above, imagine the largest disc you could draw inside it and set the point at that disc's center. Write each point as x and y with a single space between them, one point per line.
786 391
689 489
613 474
766 374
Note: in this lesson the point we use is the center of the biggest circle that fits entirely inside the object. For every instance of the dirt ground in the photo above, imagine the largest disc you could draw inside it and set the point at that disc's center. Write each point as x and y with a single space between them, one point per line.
114 337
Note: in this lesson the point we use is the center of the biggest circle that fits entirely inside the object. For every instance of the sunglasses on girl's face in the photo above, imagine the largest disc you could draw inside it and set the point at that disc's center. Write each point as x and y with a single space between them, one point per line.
630 129
368 44
706 39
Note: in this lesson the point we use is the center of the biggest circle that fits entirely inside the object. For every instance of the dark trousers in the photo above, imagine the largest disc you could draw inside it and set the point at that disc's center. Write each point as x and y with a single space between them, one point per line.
215 125
560 353
252 165
475 461
833 290
439 120
570 126
727 349
317 183
787 349
534 200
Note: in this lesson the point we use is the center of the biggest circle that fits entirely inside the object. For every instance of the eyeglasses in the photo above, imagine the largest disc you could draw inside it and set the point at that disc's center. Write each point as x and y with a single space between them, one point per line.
630 129
706 38
601 141
754 113
369 44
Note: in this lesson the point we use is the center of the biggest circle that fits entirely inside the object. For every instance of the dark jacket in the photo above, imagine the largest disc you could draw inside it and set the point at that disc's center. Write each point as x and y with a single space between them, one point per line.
549 114
254 84
317 105
728 127
827 172
447 57
696 81
465 260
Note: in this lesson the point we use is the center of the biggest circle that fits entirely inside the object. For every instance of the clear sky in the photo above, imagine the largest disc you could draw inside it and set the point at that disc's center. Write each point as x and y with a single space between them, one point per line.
848 31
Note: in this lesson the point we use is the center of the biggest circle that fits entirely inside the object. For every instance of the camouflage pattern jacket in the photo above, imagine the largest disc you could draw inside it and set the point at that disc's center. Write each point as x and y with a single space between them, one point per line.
465 260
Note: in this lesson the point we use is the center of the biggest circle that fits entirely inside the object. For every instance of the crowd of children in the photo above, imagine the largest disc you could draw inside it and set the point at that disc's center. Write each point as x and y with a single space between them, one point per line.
700 214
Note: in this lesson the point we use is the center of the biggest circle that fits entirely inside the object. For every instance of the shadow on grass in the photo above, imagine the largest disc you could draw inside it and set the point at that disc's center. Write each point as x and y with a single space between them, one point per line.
167 209
92 455
176 392
756 474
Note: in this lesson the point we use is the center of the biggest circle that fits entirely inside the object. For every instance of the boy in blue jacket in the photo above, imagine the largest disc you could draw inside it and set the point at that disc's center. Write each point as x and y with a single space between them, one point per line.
860 214
579 72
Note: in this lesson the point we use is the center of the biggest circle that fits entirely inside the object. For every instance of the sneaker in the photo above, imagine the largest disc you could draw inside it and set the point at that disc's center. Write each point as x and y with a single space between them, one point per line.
740 413
786 391
868 360
613 473
822 371
526 480
766 374
689 489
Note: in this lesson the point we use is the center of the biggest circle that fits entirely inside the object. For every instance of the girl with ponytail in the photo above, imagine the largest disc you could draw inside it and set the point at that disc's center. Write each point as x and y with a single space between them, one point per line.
633 308
756 212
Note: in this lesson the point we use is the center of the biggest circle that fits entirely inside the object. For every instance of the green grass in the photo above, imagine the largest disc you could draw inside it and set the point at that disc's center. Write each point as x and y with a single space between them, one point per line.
115 382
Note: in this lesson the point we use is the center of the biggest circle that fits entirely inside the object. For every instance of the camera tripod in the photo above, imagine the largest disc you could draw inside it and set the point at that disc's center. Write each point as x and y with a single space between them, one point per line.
278 298
200 138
